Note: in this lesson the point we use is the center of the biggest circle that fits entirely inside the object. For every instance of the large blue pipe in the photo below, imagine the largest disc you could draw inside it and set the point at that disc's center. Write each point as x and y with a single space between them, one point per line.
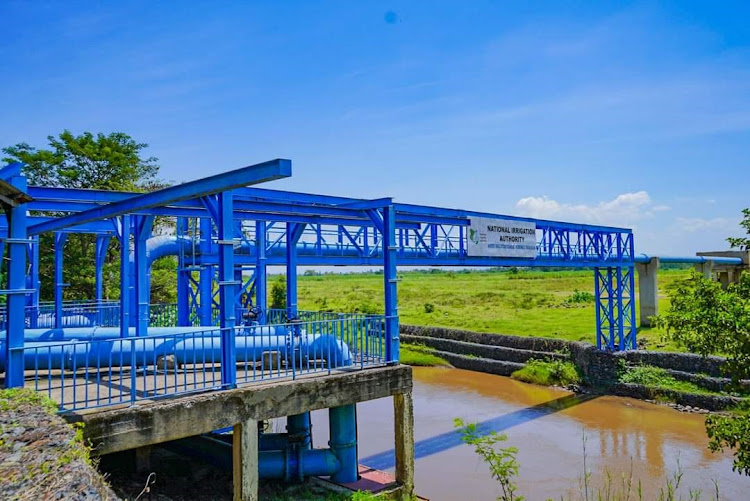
62 348
643 258
343 431
288 463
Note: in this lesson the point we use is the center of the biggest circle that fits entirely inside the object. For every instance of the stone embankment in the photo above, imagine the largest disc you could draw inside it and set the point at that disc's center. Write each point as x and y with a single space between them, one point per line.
41 456
502 355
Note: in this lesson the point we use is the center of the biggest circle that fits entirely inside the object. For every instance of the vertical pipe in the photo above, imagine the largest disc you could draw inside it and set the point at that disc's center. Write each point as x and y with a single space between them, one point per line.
124 275
261 295
206 275
390 285
227 289
299 430
183 278
16 280
343 432
59 244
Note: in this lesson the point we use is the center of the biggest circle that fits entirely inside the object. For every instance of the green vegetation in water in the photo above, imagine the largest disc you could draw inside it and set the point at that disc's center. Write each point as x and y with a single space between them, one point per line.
504 467
548 372
501 461
656 377
420 355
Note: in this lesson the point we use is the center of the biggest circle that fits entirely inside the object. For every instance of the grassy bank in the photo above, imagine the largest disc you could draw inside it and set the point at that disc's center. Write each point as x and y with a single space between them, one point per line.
421 356
555 304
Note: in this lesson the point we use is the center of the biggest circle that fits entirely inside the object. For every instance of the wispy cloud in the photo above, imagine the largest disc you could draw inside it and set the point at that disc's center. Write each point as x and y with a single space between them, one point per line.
625 209
697 224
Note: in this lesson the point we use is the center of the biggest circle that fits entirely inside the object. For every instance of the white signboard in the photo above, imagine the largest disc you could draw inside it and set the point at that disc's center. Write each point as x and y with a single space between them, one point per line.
501 238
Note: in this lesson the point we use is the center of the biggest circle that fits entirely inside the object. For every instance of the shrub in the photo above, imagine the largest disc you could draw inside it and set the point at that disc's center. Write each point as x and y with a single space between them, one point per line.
548 372
278 293
429 307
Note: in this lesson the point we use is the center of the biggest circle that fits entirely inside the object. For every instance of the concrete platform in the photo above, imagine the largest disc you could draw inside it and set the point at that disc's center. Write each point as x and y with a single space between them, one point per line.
371 480
151 422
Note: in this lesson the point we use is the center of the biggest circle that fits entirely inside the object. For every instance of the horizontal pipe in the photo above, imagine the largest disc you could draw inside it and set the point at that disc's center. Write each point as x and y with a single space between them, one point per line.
148 350
279 464
643 258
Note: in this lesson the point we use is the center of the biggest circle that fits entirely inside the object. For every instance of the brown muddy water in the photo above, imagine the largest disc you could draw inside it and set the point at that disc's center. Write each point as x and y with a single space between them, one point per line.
547 425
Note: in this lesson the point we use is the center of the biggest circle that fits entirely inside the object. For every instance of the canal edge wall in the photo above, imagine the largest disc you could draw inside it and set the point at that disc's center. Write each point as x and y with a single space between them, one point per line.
504 354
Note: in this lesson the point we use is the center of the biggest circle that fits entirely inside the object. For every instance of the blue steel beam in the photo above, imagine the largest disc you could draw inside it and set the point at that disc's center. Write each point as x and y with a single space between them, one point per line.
10 171
16 301
124 236
267 171
227 286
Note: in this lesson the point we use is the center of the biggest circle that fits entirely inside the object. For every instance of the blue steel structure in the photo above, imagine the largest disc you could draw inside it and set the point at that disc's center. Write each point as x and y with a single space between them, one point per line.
225 228
103 352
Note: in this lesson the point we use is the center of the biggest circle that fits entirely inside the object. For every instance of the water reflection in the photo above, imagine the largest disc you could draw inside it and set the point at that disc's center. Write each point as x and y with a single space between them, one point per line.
547 425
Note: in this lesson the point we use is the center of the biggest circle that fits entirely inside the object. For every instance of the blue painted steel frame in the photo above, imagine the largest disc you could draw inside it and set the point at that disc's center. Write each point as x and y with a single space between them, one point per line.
323 230
17 250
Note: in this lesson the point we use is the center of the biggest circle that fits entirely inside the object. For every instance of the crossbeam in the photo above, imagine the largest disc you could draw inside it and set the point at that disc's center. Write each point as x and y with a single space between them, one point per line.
253 174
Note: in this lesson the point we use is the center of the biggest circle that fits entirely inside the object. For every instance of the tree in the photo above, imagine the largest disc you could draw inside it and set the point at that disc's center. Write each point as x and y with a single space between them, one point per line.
707 319
104 162
112 161
742 243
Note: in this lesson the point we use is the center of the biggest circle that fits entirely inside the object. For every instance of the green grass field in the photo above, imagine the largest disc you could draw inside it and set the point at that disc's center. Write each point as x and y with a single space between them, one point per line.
555 304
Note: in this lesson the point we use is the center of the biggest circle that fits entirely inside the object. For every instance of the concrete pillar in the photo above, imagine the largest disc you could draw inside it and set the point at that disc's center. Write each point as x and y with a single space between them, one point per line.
403 413
705 269
142 459
648 290
245 460
725 278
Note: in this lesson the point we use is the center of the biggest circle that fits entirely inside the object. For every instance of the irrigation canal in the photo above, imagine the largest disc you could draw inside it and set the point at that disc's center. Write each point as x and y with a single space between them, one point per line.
547 425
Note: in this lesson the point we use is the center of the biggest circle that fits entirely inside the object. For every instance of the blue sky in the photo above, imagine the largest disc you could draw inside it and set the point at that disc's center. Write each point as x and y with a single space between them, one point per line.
623 113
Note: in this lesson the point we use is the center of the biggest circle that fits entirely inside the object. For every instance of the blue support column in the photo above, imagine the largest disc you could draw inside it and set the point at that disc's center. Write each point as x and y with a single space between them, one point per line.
206 275
102 245
390 278
183 279
124 275
343 432
141 234
16 302
59 245
620 311
227 288
293 234
35 284
598 306
261 294
633 344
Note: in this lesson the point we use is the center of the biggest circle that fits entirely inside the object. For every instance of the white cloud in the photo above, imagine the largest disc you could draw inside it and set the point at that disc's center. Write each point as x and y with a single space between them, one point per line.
623 210
696 224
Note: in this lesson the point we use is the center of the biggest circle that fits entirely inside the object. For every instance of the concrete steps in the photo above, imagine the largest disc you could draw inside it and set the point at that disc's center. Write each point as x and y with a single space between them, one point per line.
488 352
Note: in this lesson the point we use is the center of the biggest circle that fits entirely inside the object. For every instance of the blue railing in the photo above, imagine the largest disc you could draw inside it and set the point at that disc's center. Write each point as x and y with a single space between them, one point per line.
91 313
96 373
